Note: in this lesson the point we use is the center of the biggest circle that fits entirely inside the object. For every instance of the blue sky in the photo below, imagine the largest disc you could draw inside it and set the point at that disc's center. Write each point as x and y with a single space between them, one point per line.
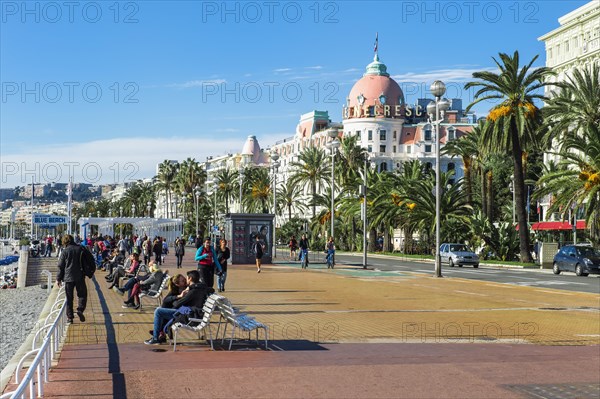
122 86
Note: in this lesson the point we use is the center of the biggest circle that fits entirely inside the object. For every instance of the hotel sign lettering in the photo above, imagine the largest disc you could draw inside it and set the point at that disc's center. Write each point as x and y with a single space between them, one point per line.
386 111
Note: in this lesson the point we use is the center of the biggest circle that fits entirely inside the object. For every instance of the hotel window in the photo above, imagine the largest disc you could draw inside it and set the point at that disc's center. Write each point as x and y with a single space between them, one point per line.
370 135
394 135
428 148
550 53
370 148
393 149
451 133
371 111
382 135
358 132
381 148
408 149
427 133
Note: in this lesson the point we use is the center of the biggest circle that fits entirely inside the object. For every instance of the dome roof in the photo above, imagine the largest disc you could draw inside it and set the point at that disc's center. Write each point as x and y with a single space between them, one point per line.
251 150
375 88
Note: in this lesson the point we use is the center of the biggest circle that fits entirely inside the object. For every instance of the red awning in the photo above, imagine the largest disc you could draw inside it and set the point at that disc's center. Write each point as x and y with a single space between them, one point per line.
557 226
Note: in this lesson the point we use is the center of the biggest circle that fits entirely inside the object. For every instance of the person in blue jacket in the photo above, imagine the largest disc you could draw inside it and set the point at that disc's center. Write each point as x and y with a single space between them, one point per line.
206 256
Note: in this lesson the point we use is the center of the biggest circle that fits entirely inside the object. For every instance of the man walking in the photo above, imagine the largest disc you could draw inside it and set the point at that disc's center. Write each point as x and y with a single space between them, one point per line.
70 272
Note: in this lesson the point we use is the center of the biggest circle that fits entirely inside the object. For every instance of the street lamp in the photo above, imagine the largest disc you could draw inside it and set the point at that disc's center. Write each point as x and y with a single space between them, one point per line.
511 187
214 233
333 145
275 164
132 210
436 110
196 198
183 201
364 209
241 179
121 225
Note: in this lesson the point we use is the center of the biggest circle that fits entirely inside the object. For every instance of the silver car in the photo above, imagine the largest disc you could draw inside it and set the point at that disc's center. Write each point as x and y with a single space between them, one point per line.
458 254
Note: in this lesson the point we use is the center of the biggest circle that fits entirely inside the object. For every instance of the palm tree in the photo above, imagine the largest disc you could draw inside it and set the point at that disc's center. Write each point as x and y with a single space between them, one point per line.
226 180
576 108
167 173
288 197
576 182
467 148
312 168
349 161
512 122
258 185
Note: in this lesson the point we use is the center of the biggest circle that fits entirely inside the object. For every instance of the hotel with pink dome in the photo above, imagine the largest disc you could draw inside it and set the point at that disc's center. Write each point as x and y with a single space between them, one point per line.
375 110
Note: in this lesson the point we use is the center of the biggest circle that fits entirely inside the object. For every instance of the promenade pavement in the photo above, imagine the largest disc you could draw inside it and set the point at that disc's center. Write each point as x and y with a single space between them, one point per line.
347 332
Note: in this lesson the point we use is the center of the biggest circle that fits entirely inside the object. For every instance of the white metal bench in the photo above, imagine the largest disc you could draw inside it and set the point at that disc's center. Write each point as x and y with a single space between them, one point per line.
198 325
158 295
242 321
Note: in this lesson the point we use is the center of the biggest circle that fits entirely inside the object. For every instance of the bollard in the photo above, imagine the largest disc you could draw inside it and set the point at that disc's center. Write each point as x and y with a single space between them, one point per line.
49 274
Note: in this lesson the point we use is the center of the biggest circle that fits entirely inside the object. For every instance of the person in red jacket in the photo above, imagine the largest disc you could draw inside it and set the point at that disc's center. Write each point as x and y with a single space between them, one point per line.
206 256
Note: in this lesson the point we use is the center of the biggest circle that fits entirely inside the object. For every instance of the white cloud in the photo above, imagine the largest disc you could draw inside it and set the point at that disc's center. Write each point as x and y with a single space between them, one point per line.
446 75
197 83
314 67
105 161
282 70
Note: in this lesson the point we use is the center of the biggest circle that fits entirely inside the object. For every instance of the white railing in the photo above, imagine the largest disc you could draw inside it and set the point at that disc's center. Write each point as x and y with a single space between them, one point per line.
44 353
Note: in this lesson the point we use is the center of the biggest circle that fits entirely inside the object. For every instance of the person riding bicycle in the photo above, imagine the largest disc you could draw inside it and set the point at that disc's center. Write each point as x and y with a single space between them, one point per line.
330 247
304 247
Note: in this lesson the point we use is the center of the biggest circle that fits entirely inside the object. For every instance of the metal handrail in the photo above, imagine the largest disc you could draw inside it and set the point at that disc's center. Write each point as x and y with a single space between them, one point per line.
44 356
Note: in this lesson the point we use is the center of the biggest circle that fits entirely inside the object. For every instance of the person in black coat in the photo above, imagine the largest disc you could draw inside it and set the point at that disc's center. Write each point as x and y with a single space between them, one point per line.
193 296
223 254
70 273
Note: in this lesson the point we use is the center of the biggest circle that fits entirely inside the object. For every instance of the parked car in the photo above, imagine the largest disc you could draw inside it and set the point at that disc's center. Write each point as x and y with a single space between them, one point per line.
581 259
458 254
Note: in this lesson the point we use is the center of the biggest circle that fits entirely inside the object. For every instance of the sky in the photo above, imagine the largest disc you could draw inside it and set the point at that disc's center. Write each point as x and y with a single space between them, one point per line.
105 90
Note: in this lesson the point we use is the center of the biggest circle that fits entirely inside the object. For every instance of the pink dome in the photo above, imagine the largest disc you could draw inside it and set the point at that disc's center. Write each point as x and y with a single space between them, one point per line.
372 87
375 90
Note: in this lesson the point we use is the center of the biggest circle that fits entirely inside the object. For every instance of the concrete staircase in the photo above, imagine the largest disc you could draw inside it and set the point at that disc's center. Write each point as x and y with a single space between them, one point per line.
36 265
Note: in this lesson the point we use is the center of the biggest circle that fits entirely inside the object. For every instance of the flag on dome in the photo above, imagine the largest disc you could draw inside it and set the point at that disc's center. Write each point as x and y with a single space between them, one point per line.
376 42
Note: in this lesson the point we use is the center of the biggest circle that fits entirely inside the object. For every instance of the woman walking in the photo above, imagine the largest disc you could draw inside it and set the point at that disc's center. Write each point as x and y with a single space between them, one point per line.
223 254
258 250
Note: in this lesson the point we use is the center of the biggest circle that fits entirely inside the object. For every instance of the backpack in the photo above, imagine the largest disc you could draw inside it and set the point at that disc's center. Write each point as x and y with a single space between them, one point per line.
88 265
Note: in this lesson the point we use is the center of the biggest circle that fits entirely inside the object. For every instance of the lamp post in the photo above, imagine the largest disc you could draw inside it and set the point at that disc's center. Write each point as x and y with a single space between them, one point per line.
436 110
275 164
364 209
333 145
149 207
241 179
132 210
121 225
213 232
196 198
183 201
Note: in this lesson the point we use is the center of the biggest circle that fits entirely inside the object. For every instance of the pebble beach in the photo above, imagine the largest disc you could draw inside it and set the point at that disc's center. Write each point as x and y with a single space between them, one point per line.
19 312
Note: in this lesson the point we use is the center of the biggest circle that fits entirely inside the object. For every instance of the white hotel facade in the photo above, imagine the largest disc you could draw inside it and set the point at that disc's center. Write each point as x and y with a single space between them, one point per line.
575 44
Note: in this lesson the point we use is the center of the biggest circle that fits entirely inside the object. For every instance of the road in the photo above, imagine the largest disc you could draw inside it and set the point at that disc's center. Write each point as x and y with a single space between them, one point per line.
524 277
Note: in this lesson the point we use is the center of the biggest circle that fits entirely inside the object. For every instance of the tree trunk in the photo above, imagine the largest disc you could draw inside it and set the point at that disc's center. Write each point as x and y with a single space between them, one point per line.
468 185
386 239
519 187
372 240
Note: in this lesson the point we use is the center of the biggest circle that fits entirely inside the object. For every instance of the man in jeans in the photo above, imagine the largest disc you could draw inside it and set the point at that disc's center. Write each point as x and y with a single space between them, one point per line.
70 272
193 296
